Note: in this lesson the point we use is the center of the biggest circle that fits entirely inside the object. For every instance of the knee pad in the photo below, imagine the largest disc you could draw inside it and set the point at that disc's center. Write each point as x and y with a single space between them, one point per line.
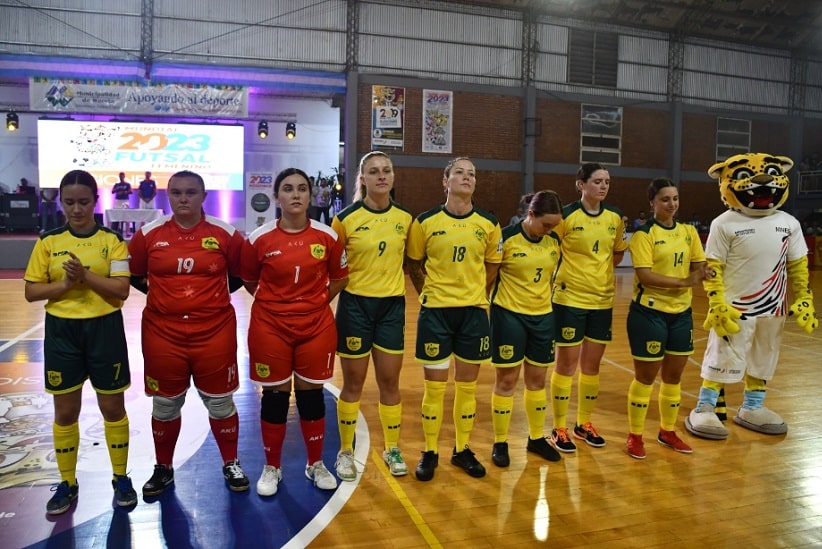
274 406
310 404
219 407
167 409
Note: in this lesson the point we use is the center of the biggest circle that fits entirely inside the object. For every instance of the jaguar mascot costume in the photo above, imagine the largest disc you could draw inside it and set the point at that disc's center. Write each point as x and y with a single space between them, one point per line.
754 250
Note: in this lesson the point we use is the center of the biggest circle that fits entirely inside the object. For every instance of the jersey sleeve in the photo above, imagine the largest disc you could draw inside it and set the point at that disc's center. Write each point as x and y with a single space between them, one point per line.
337 261
697 252
339 228
493 252
620 244
119 259
642 250
38 266
249 263
415 248
138 264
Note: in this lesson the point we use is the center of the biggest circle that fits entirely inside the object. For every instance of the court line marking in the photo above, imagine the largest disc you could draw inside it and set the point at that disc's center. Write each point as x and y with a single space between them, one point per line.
21 337
405 501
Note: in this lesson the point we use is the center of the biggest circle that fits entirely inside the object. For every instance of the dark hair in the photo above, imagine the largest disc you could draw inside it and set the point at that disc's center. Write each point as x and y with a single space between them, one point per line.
585 171
193 175
285 173
80 177
543 203
657 185
360 191
454 161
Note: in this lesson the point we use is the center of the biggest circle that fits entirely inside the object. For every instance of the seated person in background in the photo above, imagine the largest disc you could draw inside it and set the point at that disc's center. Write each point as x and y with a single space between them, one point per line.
25 187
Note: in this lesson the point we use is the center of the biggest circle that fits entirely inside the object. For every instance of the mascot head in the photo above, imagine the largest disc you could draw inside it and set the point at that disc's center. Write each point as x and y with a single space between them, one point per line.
753 184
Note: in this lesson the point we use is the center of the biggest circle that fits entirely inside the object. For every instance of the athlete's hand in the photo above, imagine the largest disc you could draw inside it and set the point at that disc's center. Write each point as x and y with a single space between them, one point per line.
805 314
722 318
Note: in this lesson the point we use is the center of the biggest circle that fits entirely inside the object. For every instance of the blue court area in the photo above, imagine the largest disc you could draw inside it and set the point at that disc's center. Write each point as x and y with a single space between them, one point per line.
198 510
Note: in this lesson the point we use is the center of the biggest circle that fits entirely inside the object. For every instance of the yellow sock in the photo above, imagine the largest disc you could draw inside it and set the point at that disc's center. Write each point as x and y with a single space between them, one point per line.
347 422
536 403
669 399
390 418
588 390
432 410
465 409
639 396
501 407
66 442
117 441
560 398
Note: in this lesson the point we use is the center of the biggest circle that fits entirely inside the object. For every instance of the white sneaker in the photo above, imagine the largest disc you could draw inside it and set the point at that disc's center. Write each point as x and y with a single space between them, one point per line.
269 481
320 475
396 465
345 466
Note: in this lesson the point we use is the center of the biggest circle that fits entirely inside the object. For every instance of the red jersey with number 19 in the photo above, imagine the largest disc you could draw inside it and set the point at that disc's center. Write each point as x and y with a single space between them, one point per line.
293 269
187 268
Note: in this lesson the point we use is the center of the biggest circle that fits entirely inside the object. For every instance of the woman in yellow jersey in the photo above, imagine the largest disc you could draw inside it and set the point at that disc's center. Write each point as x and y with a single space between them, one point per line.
668 260
81 271
522 322
583 295
460 246
371 309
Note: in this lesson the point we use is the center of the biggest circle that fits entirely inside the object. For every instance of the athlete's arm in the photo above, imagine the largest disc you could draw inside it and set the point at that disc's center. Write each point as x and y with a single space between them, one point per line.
415 273
650 279
618 257
491 271
335 287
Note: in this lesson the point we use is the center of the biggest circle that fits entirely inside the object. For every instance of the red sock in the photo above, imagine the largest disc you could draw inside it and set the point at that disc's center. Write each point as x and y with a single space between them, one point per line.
273 437
165 439
313 434
226 432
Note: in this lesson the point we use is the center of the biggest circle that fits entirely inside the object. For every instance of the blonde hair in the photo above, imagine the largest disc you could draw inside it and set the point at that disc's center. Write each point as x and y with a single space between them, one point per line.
360 191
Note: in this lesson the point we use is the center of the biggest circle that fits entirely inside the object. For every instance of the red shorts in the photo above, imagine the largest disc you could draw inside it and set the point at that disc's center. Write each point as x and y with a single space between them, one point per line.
282 345
176 350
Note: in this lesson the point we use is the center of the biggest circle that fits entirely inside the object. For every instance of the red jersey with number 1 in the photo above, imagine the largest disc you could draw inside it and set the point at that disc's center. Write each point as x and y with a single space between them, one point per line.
187 268
293 269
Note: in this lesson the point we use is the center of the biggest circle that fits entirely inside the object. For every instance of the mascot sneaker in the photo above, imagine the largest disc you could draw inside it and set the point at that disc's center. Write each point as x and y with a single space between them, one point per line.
761 420
702 422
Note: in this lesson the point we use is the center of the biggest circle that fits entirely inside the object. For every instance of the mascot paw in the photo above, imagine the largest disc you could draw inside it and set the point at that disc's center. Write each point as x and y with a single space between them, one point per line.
722 318
805 314
702 422
761 420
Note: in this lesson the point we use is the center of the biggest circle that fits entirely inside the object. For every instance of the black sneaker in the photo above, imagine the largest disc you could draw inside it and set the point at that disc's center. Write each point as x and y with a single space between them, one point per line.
589 434
468 463
162 477
234 475
562 441
62 499
499 455
428 462
124 494
541 447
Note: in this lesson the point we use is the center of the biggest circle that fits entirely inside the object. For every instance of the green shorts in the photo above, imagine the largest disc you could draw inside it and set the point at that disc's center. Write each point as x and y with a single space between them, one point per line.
460 331
653 333
365 322
516 337
574 325
86 348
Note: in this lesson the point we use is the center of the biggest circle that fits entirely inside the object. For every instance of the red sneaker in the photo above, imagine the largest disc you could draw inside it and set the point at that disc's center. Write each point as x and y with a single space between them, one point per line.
669 439
636 448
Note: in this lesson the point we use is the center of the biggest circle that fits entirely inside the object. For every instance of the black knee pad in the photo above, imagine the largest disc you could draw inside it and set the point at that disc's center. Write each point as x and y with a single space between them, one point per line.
274 406
311 404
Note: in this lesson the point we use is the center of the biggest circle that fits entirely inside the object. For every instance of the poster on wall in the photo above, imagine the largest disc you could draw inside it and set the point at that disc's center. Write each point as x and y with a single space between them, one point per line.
260 204
437 110
387 117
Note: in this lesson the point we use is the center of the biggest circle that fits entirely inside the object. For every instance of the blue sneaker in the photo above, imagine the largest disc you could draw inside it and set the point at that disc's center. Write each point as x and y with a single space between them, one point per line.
124 493
63 496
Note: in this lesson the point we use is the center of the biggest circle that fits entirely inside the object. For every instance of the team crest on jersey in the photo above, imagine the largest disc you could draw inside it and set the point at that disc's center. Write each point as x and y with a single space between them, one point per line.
55 378
399 228
263 370
653 347
611 230
317 251
432 349
506 351
353 343
152 383
479 234
211 243
104 252
568 332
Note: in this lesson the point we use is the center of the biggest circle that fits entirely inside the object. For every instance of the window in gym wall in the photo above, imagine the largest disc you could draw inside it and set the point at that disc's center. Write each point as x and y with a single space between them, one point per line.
733 136
601 134
593 57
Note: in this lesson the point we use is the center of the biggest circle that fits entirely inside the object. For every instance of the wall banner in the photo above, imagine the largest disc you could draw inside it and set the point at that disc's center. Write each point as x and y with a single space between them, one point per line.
387 118
437 116
260 204
111 96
